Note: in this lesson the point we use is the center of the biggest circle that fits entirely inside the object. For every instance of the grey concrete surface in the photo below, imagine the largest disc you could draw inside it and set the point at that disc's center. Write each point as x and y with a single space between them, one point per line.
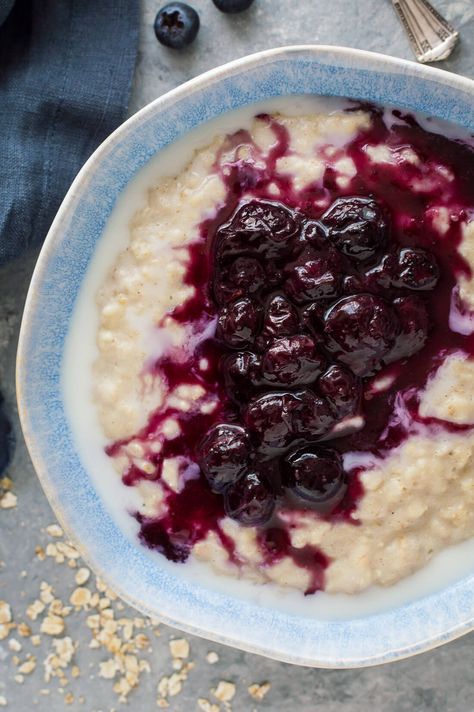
438 681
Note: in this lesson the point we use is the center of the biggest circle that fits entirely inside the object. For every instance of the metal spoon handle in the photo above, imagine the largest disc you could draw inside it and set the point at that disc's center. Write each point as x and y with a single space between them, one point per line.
431 36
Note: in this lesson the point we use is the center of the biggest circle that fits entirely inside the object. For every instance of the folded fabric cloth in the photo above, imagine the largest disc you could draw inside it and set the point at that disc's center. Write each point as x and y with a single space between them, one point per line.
65 73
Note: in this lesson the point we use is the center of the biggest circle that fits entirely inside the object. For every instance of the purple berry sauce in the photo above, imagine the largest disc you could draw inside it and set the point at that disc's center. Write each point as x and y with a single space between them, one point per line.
310 300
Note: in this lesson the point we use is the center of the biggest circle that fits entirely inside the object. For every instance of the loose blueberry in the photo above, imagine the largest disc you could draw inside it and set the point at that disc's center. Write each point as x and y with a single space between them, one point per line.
232 6
360 331
293 360
281 317
239 323
176 25
223 455
416 269
249 500
241 374
5 440
270 419
314 276
316 475
258 228
414 327
358 227
312 417
342 389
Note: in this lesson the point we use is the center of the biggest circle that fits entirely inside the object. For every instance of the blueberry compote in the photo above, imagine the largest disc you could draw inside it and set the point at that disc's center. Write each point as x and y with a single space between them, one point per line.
323 312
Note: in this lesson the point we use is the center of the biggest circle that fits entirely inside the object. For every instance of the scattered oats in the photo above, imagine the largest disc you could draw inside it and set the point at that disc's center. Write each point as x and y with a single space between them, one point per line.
8 500
5 629
93 621
19 679
28 666
122 688
34 609
72 563
14 645
6 483
54 530
100 585
16 659
64 648
3 701
108 669
82 699
75 671
141 641
5 612
46 592
36 640
163 686
161 702
80 597
179 648
144 666
258 692
207 706
24 630
224 691
52 625
68 550
40 553
175 684
45 692
69 698
212 658
104 603
24 574
82 576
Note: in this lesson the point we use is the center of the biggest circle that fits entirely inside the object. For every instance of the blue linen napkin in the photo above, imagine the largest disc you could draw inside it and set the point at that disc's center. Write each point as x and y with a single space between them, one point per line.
65 73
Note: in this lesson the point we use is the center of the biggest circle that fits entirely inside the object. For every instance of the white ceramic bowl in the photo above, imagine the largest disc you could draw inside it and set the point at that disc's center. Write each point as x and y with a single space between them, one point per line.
159 590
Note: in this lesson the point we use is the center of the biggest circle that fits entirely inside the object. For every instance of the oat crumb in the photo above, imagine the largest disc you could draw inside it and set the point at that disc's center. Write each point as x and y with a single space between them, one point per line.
224 691
179 648
207 706
14 645
52 625
5 612
3 701
257 691
28 666
80 597
82 576
54 530
8 500
69 698
212 657
24 630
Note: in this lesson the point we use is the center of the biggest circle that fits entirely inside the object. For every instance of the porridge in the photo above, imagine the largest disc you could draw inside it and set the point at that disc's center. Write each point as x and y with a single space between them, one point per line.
284 372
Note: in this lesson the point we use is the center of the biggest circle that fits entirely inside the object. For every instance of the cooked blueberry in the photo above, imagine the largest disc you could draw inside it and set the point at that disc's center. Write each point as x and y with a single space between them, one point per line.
258 228
416 269
314 233
358 227
414 328
269 418
245 276
241 374
223 455
314 276
293 360
312 417
360 330
176 25
312 317
249 500
281 317
316 475
239 323
342 389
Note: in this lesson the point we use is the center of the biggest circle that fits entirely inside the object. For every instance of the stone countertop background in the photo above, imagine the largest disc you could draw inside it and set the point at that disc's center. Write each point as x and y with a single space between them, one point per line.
99 630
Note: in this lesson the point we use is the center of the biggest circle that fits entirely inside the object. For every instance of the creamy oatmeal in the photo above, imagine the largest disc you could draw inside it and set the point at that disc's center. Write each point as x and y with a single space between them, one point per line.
284 368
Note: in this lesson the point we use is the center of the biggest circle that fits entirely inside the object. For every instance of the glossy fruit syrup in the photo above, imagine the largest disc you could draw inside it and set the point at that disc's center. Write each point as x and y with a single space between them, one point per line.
326 311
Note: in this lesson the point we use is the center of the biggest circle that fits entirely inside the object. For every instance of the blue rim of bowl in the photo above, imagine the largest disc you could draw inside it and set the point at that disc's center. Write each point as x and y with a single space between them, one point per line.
379 638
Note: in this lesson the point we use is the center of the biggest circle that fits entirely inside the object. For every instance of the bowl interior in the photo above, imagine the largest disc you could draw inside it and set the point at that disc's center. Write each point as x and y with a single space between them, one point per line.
61 269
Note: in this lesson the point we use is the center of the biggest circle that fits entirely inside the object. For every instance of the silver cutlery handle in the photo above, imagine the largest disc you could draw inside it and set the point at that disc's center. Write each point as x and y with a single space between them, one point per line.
431 36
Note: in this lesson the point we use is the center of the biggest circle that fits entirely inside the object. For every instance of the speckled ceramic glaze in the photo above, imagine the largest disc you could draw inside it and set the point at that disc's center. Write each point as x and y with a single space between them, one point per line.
69 247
